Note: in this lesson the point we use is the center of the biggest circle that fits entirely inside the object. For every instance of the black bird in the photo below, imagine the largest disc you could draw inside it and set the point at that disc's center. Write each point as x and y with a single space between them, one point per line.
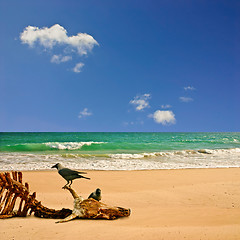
68 174
96 195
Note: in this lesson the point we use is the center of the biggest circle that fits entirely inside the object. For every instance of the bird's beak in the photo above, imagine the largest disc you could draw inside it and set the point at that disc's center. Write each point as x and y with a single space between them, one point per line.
55 166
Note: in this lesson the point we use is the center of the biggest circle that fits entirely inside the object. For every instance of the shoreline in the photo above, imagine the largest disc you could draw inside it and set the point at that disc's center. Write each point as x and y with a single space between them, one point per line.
173 204
134 170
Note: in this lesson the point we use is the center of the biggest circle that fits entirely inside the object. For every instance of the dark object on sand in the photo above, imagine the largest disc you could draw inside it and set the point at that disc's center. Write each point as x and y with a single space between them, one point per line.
12 188
68 174
90 208
96 195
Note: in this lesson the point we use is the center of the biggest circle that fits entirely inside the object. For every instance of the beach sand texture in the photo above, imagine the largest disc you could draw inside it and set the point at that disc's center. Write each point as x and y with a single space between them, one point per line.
165 204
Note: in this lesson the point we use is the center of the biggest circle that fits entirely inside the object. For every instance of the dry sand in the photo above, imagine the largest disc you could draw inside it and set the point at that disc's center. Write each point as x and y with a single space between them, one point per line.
165 204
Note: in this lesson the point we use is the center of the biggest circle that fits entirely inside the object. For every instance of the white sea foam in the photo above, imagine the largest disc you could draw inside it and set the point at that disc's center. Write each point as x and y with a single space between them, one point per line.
69 145
186 153
204 158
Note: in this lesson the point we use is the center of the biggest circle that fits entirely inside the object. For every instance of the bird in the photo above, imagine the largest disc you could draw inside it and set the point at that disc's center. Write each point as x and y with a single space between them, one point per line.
96 195
68 174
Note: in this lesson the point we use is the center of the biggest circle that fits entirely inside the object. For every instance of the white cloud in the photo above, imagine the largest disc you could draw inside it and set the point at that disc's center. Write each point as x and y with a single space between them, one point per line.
59 58
141 101
78 67
191 88
185 99
163 117
57 35
166 106
84 113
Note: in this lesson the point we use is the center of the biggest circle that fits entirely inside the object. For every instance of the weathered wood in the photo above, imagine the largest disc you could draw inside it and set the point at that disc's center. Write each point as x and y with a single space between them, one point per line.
20 177
19 186
11 207
20 208
93 209
13 188
8 178
14 174
4 200
74 194
51 213
7 216
7 203
1 193
3 179
24 197
27 186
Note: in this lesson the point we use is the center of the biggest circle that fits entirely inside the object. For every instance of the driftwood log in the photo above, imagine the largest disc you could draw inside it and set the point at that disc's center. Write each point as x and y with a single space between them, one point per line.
91 208
12 188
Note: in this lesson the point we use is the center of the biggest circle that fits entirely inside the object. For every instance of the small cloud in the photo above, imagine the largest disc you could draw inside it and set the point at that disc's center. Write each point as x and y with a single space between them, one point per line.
78 67
166 106
190 88
57 35
59 58
185 99
163 117
141 101
85 113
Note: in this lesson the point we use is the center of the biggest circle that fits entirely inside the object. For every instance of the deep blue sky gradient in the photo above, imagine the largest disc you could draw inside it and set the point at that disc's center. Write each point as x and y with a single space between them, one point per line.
155 47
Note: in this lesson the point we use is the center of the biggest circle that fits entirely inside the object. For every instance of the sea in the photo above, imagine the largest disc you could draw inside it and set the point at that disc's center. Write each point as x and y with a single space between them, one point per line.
118 151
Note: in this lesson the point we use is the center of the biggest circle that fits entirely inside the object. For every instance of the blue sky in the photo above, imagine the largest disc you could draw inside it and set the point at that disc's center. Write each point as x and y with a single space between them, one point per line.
119 65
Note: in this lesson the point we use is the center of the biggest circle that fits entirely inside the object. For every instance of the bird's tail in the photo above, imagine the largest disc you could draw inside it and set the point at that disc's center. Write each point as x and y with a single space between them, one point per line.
86 177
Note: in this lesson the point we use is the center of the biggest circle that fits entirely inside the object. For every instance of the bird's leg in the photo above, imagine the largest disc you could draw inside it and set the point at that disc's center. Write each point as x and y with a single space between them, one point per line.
70 183
69 218
65 185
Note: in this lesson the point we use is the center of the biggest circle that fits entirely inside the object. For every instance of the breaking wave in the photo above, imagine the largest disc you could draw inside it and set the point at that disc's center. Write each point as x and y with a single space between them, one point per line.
203 158
119 151
48 146
168 154
177 153
70 145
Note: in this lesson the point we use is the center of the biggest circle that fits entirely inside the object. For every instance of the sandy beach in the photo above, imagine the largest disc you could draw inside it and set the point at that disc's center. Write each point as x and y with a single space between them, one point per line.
165 204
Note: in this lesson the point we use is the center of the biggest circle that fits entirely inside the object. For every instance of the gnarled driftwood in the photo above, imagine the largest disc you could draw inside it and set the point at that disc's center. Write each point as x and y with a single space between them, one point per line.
12 188
91 208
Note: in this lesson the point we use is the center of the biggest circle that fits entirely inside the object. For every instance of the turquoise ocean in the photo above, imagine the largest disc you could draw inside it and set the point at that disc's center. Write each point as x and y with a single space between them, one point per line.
119 151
